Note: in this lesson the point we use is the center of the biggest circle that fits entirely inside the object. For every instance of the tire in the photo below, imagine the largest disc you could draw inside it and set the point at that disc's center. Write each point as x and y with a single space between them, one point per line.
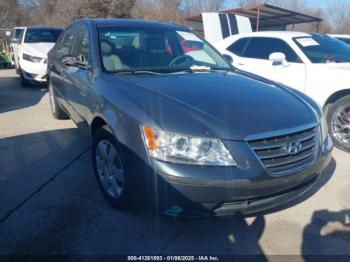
24 82
109 171
338 118
56 110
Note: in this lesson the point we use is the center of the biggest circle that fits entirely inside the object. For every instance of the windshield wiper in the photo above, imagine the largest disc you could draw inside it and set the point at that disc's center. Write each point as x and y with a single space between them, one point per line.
202 69
137 72
192 69
196 68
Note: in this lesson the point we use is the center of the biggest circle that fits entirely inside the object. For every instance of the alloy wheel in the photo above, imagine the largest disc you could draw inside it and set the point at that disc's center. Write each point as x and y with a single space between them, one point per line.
340 125
109 168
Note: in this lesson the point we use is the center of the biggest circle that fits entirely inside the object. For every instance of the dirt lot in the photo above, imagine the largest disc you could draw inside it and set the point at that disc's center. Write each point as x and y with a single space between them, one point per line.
50 203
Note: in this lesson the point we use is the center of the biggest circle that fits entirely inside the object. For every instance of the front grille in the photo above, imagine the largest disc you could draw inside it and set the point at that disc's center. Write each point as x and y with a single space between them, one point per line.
286 154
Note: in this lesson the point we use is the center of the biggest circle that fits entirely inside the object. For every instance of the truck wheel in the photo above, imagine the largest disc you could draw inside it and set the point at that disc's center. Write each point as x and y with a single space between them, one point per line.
109 169
56 109
338 118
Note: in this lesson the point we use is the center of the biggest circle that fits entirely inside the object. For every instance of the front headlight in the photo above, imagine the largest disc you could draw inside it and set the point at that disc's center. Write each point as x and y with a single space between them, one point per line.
184 149
30 58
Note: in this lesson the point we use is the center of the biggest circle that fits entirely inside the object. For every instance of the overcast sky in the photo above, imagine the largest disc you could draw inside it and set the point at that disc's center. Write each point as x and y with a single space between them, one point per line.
322 3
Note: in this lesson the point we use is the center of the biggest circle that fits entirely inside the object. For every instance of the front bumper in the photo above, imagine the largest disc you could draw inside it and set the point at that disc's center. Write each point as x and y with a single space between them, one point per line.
33 71
247 188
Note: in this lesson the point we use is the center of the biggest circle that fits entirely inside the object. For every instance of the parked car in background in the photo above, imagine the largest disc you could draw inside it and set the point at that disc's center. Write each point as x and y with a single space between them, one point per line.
34 44
317 65
16 32
344 38
177 127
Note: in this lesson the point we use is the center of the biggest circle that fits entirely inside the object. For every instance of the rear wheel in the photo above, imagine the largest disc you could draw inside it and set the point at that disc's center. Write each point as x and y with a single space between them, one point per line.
109 169
56 109
339 123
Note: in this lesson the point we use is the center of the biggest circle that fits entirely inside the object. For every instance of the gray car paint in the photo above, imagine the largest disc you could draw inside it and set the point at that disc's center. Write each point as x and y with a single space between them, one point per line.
232 106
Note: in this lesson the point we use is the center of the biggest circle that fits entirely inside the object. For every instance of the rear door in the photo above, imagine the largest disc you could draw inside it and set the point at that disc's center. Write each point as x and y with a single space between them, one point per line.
253 56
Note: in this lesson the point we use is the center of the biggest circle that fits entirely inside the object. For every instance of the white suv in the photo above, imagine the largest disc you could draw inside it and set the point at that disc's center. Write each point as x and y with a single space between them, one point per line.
315 64
34 44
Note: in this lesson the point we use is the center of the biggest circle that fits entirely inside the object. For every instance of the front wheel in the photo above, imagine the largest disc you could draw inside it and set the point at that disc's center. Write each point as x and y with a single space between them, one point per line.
108 164
338 118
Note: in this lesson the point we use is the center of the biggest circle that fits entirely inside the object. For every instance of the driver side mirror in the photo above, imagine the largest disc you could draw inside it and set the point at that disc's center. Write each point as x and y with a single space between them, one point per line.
76 61
228 58
278 58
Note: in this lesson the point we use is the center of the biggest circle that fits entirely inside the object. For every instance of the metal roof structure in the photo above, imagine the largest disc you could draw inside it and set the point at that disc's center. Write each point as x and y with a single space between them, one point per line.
264 16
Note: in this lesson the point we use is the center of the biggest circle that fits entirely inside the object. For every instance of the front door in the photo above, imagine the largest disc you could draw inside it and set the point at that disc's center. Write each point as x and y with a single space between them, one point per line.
254 57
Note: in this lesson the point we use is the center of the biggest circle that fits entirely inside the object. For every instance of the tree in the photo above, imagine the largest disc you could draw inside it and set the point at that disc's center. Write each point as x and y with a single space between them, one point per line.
158 10
62 13
195 7
8 9
106 8
339 17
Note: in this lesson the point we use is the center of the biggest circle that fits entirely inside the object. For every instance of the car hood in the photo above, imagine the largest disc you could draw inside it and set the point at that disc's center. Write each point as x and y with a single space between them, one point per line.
37 49
228 106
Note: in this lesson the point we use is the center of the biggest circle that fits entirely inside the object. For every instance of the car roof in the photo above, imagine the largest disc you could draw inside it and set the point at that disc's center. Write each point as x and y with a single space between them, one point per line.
43 27
106 22
279 34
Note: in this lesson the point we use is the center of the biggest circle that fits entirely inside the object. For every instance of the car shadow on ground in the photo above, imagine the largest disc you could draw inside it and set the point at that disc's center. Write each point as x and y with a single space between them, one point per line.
327 232
11 91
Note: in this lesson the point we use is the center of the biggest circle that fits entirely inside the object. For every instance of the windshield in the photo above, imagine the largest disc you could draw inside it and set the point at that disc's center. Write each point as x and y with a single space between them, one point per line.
42 35
324 49
155 50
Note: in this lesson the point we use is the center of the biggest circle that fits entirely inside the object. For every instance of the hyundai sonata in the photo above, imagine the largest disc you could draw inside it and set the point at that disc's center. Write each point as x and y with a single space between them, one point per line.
179 127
